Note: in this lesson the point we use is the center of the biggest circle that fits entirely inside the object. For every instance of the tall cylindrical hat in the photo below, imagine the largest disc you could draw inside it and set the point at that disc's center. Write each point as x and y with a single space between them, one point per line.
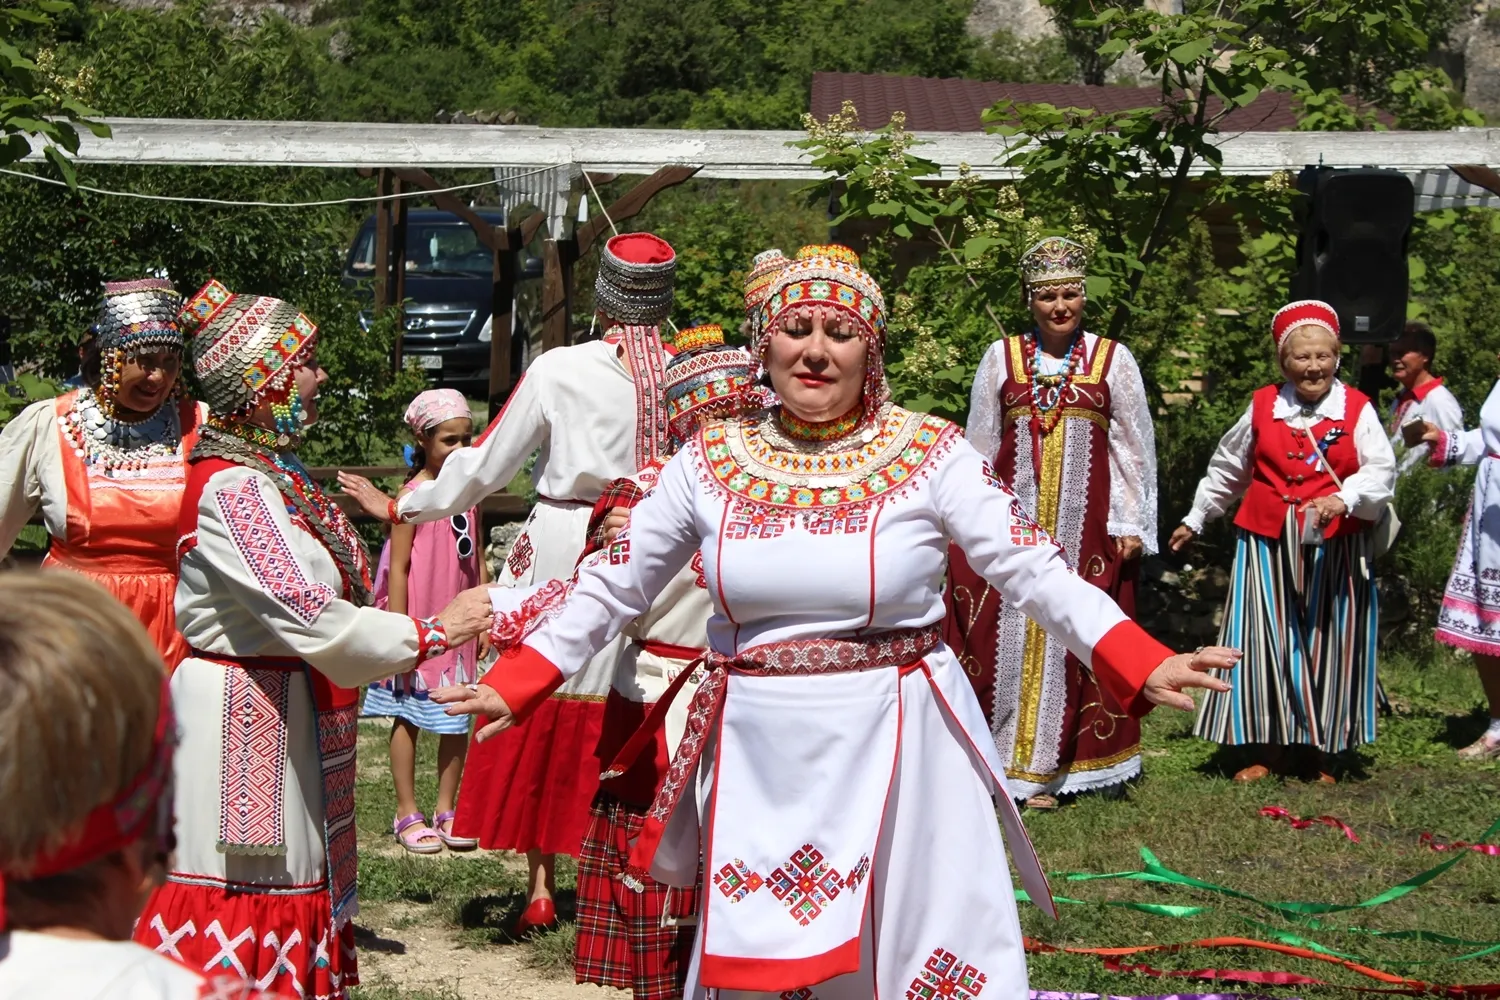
634 286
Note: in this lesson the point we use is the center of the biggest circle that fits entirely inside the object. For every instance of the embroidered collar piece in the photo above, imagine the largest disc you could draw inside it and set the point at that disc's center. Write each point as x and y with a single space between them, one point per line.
827 430
106 444
753 459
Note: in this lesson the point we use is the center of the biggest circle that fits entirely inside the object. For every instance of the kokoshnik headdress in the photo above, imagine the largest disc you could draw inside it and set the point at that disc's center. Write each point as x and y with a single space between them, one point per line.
1055 262
830 277
136 317
245 350
705 379
634 291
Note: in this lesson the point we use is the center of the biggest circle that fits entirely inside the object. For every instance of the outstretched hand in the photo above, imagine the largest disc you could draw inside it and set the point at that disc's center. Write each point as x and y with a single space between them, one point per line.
370 500
468 615
1167 682
477 699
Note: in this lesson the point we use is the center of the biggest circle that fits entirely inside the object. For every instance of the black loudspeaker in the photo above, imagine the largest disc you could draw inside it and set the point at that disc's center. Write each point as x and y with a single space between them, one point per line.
1352 251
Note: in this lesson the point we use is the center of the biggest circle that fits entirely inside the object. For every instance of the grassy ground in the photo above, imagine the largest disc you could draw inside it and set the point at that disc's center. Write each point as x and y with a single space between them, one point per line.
1186 810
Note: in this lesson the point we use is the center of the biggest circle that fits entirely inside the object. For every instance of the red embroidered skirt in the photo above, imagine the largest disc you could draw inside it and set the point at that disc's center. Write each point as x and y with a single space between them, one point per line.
529 788
621 941
280 943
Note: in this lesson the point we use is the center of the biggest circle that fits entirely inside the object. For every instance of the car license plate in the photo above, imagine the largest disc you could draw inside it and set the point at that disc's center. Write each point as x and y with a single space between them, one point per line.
430 360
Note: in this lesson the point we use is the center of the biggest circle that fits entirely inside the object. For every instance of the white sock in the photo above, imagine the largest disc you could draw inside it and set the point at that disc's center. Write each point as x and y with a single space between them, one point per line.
1493 733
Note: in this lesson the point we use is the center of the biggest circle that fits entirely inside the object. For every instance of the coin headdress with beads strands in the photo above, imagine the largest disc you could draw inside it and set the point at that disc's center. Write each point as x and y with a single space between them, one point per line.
830 277
136 317
246 350
635 291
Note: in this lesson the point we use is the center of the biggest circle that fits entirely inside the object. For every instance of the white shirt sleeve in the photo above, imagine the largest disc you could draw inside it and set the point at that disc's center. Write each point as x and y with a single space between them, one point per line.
1367 492
619 582
1442 409
489 464
262 562
23 450
1132 454
1227 478
1006 547
983 430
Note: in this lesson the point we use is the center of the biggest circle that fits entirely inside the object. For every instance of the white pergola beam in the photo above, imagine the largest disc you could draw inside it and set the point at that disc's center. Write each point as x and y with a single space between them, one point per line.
742 155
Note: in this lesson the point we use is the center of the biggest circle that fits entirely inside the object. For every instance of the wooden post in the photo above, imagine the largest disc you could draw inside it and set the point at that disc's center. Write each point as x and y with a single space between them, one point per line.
502 308
382 242
555 297
397 283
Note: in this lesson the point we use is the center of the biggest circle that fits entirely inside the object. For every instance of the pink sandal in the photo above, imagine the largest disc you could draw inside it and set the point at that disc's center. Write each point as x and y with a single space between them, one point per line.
445 819
410 830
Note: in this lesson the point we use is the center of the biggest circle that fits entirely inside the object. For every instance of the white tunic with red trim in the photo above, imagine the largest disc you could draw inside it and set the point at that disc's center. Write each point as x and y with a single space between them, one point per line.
48 967
848 831
252 890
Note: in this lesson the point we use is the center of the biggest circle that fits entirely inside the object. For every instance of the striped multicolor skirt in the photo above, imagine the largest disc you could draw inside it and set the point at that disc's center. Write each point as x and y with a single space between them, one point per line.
1305 617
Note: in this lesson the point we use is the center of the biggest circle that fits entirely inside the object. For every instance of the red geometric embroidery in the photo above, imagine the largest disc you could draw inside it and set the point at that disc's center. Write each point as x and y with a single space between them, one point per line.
619 549
839 521
338 732
519 560
750 522
990 479
266 553
806 884
737 881
857 874
697 567
253 748
1026 534
800 993
945 976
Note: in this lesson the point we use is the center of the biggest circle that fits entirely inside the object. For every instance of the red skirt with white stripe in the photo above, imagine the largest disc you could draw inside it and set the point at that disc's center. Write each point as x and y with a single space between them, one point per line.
529 788
280 943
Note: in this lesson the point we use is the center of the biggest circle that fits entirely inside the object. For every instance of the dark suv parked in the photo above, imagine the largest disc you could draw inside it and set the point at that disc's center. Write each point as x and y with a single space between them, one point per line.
449 286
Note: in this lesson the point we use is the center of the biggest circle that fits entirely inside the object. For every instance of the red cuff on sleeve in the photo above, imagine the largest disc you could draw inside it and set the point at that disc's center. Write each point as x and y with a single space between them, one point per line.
1438 456
525 679
1123 659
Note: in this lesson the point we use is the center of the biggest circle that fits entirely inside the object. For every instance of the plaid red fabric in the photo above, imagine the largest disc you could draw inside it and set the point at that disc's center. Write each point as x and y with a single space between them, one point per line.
621 942
618 493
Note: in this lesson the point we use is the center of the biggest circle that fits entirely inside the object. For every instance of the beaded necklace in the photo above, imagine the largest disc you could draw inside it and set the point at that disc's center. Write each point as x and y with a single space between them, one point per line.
106 443
1048 391
825 430
246 445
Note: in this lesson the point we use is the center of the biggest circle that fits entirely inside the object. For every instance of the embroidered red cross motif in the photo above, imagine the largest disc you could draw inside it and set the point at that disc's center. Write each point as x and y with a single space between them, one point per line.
805 884
945 976
519 560
737 881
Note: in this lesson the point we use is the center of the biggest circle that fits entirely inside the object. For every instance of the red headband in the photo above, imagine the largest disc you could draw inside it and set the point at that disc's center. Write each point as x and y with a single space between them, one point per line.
1304 313
122 820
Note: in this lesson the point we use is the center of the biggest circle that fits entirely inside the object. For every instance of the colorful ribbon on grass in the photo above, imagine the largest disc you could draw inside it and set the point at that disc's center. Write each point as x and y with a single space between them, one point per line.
1302 823
1493 850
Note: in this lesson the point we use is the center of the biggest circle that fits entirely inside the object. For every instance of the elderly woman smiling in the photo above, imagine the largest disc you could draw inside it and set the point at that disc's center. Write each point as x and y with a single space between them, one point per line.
846 802
1315 471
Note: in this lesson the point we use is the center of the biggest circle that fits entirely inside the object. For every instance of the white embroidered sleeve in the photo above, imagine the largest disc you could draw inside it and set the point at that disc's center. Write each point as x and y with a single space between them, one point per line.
261 561
1227 478
1010 550
620 581
21 448
1443 409
1132 454
490 463
983 430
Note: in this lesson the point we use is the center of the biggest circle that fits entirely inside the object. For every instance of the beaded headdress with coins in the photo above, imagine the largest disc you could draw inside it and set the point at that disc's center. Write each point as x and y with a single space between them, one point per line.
136 317
1055 262
758 280
245 351
829 277
634 291
707 378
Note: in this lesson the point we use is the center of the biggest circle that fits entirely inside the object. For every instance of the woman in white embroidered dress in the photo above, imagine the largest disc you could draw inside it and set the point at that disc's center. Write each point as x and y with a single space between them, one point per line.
591 413
1062 416
1470 616
271 598
1313 466
106 463
848 801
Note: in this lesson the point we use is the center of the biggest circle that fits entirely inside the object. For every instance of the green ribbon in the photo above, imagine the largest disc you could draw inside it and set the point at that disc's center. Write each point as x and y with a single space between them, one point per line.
1155 872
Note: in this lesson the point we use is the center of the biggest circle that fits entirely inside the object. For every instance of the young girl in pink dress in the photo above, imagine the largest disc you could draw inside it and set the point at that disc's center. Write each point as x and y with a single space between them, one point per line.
423 567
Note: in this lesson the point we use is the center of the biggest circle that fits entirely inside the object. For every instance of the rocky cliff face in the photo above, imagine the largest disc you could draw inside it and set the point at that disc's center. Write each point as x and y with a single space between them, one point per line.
243 12
1472 59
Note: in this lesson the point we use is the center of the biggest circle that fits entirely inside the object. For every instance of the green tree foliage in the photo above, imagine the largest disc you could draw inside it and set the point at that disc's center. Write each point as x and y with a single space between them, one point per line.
36 104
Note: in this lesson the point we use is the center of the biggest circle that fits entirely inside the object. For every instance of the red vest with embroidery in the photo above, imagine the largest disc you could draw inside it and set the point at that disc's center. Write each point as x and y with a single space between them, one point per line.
1285 472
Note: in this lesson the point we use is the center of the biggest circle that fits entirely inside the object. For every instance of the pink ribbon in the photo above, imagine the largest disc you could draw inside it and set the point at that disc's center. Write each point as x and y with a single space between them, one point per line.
1302 823
1493 850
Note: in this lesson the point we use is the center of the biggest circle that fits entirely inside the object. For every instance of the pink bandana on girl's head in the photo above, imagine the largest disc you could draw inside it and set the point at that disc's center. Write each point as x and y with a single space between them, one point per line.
434 406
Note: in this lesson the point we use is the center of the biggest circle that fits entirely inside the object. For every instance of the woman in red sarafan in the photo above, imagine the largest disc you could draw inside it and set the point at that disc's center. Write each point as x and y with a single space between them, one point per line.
1062 414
